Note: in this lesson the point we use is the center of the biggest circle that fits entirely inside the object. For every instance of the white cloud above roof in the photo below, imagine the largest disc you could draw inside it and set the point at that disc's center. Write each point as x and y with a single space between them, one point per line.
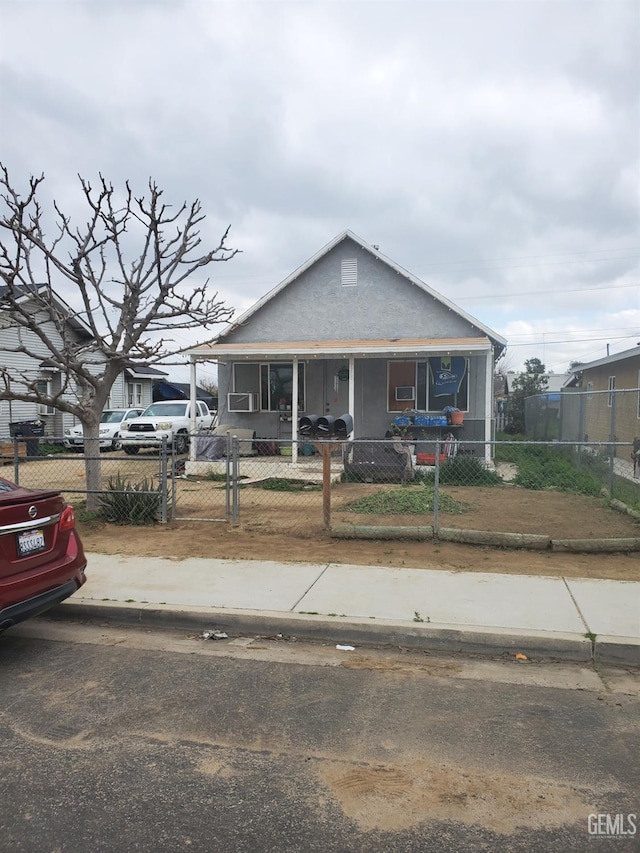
489 148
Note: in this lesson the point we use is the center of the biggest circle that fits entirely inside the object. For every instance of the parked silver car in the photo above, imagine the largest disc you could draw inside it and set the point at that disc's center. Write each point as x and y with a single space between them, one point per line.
110 425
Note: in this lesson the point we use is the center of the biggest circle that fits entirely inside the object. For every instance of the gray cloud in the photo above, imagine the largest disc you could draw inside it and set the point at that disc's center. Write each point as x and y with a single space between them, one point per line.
483 145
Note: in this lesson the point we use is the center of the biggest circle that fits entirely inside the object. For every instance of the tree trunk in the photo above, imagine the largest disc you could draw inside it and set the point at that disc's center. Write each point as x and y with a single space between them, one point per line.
92 466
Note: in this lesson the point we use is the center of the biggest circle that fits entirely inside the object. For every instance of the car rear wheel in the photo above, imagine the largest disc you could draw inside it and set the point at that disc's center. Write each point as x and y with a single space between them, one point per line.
131 450
116 444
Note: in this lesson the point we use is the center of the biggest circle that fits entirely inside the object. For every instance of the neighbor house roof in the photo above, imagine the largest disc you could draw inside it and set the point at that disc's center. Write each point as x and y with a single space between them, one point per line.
609 359
143 371
23 293
496 339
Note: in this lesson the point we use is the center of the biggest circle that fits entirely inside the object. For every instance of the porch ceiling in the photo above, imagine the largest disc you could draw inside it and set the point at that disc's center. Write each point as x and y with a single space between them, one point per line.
386 348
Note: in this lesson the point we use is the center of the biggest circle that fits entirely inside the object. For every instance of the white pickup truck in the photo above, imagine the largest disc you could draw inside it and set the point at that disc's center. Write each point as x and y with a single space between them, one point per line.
170 419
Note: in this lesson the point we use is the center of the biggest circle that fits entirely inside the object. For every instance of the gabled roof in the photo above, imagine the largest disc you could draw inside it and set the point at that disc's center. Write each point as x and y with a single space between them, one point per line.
609 359
495 338
143 371
24 293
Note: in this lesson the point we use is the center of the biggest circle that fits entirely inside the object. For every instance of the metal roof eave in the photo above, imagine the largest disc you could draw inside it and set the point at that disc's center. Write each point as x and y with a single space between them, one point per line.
342 349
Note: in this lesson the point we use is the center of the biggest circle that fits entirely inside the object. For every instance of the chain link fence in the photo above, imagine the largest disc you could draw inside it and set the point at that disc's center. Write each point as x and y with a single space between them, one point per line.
137 489
306 488
611 416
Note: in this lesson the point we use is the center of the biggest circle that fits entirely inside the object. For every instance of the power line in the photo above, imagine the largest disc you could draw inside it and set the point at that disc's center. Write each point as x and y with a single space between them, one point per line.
614 330
546 255
546 342
545 292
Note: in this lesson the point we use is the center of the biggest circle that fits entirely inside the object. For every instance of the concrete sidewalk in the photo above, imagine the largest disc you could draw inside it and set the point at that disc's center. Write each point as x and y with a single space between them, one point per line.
569 618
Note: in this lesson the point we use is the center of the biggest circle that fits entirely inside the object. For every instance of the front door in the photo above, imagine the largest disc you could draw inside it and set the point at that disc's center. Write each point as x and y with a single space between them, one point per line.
336 387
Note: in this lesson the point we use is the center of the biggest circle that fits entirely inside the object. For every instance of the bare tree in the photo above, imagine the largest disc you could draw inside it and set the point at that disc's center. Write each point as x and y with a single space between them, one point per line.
126 267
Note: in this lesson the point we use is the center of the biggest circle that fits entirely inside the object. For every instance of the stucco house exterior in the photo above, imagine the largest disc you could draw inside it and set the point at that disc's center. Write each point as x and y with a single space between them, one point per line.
351 331
601 399
133 387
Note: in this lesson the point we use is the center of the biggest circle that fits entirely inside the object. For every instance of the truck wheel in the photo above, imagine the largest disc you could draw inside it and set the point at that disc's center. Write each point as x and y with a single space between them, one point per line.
131 450
182 442
116 444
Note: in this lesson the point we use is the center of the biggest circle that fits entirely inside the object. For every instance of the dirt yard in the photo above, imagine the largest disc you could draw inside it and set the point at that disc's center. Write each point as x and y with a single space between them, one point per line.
265 521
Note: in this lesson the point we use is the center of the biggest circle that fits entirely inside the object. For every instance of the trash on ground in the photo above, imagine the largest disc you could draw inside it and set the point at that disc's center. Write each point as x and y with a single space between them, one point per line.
214 635
520 656
346 648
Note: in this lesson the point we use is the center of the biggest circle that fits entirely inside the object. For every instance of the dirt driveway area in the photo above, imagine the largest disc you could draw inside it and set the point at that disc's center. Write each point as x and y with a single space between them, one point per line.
290 530
288 527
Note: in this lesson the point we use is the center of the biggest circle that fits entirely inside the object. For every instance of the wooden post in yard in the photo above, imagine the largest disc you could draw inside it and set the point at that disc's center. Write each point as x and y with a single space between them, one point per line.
325 449
326 486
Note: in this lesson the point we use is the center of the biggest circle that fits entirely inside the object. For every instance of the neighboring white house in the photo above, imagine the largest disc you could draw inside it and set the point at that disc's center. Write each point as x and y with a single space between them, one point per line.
133 387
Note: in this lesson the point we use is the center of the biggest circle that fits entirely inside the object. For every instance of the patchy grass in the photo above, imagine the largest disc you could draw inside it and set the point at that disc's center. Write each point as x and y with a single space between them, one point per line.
463 470
282 484
408 501
541 467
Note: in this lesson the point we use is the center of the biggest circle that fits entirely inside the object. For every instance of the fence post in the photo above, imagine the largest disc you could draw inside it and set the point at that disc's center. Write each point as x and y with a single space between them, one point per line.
436 492
174 495
16 462
612 449
326 486
164 480
235 450
227 468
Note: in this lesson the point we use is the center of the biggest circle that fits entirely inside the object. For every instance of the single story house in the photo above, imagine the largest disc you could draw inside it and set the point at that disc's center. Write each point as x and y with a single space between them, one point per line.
601 399
351 331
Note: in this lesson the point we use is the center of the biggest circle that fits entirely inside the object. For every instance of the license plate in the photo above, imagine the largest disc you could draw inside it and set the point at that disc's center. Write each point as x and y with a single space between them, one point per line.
30 542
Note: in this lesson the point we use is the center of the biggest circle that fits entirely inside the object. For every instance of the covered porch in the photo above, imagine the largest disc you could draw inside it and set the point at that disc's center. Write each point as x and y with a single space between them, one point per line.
267 386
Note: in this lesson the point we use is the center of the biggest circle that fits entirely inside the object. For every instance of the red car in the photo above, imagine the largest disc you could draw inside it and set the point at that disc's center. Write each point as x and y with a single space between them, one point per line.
41 557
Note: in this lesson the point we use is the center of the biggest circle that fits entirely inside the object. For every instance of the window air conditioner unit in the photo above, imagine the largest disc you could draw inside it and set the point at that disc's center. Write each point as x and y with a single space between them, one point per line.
405 392
242 401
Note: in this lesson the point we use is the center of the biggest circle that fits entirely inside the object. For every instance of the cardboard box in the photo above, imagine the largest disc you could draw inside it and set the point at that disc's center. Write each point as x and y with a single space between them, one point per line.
428 458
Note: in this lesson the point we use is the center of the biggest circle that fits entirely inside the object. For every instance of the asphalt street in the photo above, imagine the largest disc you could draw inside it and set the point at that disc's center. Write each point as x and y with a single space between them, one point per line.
122 739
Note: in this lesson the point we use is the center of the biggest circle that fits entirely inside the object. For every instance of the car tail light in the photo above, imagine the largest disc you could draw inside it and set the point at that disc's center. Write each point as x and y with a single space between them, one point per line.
67 518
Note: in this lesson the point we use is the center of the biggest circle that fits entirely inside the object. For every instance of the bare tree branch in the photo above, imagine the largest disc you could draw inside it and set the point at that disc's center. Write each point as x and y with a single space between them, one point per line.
127 268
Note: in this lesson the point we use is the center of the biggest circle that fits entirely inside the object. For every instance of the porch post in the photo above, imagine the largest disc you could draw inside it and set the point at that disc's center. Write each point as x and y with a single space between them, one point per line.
352 391
488 404
192 404
294 413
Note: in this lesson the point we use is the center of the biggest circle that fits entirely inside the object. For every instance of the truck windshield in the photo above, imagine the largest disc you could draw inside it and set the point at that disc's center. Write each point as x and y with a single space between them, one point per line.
111 417
171 410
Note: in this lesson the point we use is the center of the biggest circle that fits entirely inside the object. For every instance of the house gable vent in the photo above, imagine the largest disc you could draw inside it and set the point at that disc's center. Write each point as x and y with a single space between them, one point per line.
349 272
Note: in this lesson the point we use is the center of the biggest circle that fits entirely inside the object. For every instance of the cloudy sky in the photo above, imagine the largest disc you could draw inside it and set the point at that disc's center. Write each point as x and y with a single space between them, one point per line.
491 147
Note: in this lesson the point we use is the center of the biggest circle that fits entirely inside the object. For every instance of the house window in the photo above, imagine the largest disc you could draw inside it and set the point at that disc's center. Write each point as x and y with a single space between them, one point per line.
273 382
448 383
134 394
589 390
349 272
437 382
401 376
612 388
45 387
